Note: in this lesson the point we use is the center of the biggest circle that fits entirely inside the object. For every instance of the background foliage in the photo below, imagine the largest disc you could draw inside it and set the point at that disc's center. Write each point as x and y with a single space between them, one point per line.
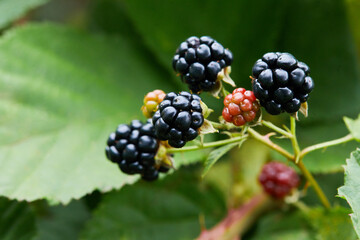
71 71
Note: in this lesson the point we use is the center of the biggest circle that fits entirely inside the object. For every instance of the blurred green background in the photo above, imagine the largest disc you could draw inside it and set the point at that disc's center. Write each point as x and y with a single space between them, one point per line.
72 70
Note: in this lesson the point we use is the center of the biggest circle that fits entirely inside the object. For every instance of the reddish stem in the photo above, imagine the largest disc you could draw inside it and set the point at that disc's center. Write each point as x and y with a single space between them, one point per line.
238 220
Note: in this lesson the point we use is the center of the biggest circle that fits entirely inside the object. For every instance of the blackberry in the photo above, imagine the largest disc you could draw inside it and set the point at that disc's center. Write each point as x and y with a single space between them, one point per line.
133 147
278 180
281 82
178 119
151 102
199 61
240 107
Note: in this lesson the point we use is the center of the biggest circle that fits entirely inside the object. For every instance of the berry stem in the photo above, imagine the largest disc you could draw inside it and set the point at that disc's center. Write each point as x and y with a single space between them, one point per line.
298 161
266 140
276 128
293 139
207 145
326 144
309 177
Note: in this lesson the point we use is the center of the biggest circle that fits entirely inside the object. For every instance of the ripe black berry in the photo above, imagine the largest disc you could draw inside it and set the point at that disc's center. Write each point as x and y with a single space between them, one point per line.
199 61
133 147
178 118
278 180
281 83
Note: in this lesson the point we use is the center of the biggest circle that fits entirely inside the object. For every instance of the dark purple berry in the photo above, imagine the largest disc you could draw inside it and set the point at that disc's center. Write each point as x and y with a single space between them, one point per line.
281 82
179 122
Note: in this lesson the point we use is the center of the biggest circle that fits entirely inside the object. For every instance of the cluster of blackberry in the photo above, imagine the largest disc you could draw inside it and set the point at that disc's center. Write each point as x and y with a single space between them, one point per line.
178 119
199 61
133 147
281 83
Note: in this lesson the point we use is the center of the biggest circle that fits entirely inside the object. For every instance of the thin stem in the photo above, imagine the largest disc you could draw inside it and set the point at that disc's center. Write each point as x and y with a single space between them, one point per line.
309 149
298 161
293 138
315 185
265 140
207 145
224 91
276 128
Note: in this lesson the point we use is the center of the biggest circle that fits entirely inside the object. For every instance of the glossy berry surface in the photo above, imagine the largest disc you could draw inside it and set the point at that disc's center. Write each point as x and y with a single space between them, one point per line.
199 61
240 107
178 119
281 82
278 180
151 102
133 147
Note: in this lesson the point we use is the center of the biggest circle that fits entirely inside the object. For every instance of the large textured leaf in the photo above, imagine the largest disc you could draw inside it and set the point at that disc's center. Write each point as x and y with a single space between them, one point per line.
315 223
168 209
351 190
283 226
331 224
11 10
59 100
17 220
61 222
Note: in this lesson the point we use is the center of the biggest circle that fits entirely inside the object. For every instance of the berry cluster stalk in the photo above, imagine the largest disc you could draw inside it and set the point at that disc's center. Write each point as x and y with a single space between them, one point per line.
265 139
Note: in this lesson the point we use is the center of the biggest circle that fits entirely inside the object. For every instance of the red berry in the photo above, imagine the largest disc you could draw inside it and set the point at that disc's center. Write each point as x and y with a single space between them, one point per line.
226 115
240 107
278 180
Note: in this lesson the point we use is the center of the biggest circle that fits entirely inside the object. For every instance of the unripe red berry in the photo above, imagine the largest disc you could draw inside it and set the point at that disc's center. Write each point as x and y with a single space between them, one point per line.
240 107
278 179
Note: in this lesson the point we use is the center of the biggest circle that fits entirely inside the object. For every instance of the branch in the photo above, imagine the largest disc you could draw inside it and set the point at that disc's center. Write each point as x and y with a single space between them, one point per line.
238 220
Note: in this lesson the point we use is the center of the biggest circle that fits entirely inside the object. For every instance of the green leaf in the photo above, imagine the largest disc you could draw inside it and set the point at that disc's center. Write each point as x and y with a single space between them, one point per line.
353 126
167 209
62 222
11 10
350 191
216 155
313 223
17 220
283 226
331 224
60 100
